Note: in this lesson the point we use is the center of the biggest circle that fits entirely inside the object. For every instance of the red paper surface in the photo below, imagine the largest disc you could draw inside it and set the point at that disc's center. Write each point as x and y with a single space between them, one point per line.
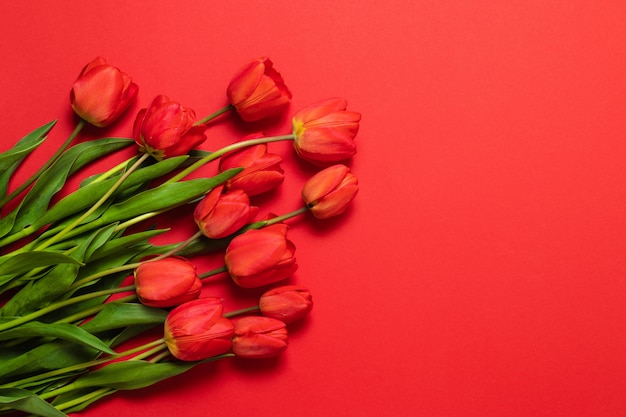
480 271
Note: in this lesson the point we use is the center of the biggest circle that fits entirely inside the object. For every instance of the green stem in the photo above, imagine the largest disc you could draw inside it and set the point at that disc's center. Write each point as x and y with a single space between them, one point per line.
55 306
277 219
58 236
117 168
252 309
214 115
213 272
137 220
237 145
84 365
79 126
156 349
87 397
160 357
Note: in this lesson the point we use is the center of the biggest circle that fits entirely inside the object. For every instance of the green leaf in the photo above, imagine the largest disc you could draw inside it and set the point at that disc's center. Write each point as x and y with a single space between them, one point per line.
36 202
118 315
88 195
161 198
126 243
39 293
105 283
52 382
24 400
10 160
100 238
46 286
164 197
63 331
133 374
26 261
56 354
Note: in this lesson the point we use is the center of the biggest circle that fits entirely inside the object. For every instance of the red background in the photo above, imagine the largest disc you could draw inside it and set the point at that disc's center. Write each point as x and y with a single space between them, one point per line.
480 271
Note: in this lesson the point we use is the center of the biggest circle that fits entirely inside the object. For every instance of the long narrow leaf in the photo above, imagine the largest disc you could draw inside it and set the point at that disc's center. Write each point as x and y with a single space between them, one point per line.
125 243
166 196
45 357
118 315
45 288
10 160
26 401
161 198
128 375
63 331
26 261
39 293
86 196
36 202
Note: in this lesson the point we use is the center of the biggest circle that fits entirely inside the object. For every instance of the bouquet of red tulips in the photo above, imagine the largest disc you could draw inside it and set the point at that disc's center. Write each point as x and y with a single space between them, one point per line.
80 275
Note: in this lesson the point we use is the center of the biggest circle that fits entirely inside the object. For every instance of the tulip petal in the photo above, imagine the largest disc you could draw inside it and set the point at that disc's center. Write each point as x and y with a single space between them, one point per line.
324 182
320 109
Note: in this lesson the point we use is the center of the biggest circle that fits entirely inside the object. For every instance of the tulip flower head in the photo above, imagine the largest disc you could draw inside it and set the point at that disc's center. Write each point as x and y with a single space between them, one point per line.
258 91
221 214
166 128
197 330
330 191
261 256
287 303
324 132
101 93
167 282
261 170
259 337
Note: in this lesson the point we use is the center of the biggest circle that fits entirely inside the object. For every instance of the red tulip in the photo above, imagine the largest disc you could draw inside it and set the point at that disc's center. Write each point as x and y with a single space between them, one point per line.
101 93
259 337
287 303
166 129
221 214
258 91
167 282
197 330
330 191
261 256
261 170
324 132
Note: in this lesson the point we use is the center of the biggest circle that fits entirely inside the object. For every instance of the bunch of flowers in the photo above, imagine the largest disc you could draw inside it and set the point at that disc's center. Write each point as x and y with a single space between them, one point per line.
66 256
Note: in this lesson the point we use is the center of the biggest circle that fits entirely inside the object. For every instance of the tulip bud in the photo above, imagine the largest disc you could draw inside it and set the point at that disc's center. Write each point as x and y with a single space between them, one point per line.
330 191
258 91
261 256
166 129
101 93
259 337
221 214
197 330
287 303
261 170
167 282
324 132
